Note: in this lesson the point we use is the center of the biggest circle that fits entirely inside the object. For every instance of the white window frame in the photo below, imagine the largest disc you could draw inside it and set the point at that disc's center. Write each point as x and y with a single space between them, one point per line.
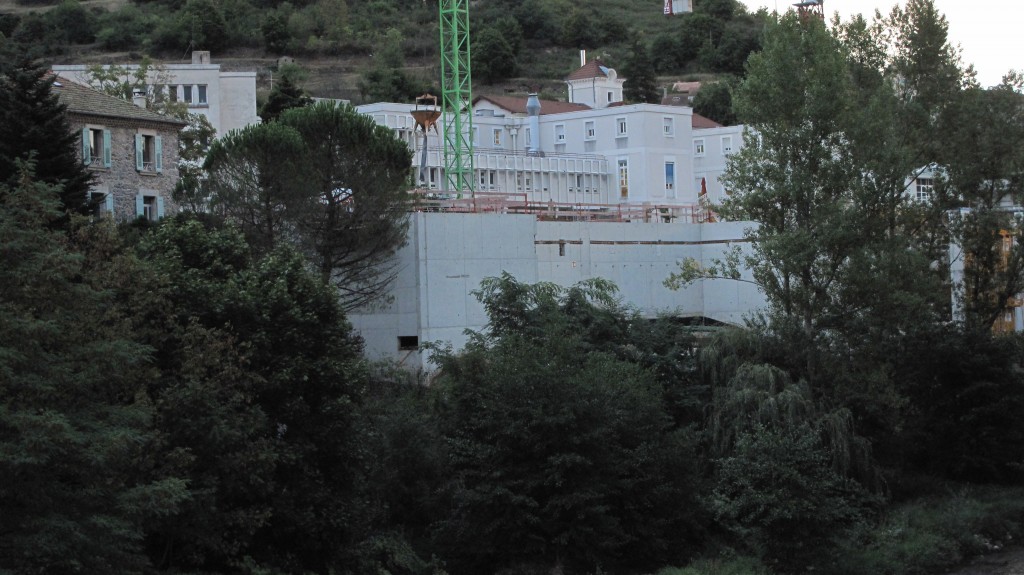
699 149
668 127
622 171
670 184
496 137
924 188
727 145
559 133
187 93
621 127
202 95
589 131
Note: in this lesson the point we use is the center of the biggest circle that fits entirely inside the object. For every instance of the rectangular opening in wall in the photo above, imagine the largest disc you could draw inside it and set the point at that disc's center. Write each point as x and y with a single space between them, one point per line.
408 343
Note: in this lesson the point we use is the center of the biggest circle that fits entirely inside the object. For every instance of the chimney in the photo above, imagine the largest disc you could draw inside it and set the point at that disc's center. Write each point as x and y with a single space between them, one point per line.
201 57
583 58
533 111
139 98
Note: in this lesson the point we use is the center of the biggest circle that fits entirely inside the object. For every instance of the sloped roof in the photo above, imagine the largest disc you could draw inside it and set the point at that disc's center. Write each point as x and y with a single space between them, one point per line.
518 105
84 100
700 122
592 69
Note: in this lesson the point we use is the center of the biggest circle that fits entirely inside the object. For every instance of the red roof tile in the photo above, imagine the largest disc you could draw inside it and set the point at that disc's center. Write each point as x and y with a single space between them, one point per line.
518 105
592 69
700 122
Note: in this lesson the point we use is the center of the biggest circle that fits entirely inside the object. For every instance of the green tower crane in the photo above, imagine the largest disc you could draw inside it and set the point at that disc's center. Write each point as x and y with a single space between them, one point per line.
456 96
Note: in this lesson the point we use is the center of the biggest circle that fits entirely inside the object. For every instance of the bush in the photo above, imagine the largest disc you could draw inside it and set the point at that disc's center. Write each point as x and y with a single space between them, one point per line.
927 535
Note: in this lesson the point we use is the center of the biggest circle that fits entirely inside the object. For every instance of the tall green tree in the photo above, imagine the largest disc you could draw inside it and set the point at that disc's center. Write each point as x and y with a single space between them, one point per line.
493 56
34 124
286 93
75 426
347 211
593 471
641 83
260 374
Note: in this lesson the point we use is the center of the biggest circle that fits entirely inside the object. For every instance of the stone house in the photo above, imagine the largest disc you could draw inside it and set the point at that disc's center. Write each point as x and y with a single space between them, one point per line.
132 152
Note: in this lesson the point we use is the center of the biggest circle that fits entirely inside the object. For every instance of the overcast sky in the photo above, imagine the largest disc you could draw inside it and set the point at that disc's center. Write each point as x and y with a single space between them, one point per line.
991 33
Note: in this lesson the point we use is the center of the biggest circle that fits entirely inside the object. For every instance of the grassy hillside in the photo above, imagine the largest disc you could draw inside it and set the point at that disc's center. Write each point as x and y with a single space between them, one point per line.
375 49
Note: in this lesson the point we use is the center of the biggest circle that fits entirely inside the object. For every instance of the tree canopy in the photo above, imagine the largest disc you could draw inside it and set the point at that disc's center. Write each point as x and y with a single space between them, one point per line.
327 179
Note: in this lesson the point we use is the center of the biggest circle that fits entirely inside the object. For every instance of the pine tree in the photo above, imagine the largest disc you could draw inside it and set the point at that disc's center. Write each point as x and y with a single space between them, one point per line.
33 123
641 84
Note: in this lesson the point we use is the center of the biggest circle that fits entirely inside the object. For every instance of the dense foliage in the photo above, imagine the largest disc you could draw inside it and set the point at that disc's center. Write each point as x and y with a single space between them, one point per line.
188 396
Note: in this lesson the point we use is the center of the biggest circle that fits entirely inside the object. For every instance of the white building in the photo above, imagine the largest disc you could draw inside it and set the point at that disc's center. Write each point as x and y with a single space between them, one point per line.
590 154
592 150
227 99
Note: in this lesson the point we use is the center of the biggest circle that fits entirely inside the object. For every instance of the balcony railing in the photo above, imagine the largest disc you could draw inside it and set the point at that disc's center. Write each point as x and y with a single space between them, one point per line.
519 203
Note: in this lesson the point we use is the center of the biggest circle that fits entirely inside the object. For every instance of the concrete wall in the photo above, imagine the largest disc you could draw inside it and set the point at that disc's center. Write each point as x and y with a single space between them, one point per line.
448 255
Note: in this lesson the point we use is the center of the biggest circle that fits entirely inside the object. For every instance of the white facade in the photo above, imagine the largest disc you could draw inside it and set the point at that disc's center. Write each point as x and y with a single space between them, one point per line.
227 99
711 150
634 154
448 255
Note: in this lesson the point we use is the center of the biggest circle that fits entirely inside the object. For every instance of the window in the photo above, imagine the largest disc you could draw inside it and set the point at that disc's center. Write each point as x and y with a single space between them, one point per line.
149 205
201 90
172 93
496 137
621 123
670 179
559 133
186 94
589 130
727 145
698 148
668 127
96 147
102 203
148 153
623 178
476 135
609 97
408 343
923 188
486 180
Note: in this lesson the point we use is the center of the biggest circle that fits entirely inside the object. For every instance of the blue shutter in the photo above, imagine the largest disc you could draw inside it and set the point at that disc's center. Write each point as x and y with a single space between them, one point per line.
86 152
106 148
139 203
159 207
159 154
138 153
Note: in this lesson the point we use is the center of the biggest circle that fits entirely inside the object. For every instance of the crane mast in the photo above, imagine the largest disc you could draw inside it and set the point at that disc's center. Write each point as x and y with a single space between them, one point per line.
456 96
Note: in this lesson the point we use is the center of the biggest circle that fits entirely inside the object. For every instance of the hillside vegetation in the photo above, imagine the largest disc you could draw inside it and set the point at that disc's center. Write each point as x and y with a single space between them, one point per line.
371 50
